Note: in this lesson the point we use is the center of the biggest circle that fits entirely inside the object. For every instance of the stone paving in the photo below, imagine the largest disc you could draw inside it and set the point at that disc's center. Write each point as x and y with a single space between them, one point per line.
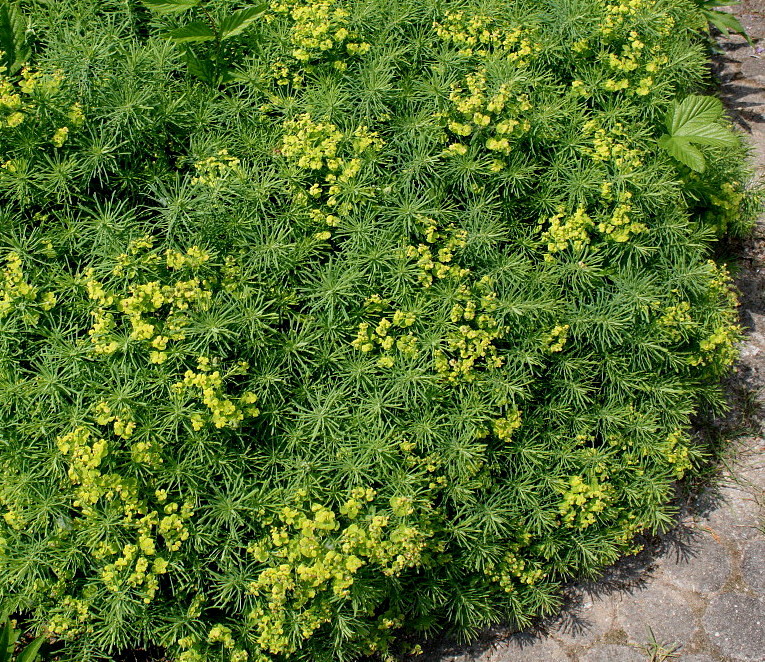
701 594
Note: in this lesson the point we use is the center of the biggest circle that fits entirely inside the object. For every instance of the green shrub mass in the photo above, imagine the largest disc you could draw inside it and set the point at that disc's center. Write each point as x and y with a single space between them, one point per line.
379 316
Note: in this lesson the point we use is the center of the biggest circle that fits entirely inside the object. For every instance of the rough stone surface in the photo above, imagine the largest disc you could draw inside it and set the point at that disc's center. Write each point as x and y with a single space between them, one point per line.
611 653
733 513
538 650
702 565
697 658
735 624
585 621
753 566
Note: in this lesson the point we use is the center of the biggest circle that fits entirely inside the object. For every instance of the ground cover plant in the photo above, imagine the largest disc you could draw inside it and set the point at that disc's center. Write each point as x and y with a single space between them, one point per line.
326 322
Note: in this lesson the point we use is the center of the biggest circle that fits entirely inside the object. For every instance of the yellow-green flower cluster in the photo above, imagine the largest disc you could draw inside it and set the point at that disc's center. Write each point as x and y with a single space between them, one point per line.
319 30
215 169
619 226
727 204
71 617
480 35
17 293
137 565
19 99
494 114
514 569
555 339
383 334
316 148
157 313
505 426
566 230
435 256
719 346
312 560
676 451
622 14
223 411
676 320
582 502
612 147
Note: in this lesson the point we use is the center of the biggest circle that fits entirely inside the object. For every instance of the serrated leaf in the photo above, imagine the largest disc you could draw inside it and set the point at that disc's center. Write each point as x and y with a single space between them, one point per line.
29 654
196 31
240 20
201 68
13 40
693 110
682 149
170 6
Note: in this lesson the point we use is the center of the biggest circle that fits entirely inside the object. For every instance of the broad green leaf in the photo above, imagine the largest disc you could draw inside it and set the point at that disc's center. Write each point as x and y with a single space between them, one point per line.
192 32
240 20
170 6
693 111
13 40
30 653
201 68
683 151
694 121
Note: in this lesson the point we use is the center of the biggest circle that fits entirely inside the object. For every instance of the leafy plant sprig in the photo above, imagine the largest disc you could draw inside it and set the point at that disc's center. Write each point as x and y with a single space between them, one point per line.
695 121
723 21
212 69
13 39
9 639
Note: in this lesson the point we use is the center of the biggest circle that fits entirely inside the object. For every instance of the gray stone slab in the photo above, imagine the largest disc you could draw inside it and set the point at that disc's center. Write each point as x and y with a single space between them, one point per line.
734 514
659 608
753 566
702 566
697 658
612 653
522 650
735 623
586 622
753 68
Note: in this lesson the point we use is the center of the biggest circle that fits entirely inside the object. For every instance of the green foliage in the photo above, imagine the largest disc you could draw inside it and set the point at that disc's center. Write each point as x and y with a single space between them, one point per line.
212 69
13 38
9 642
695 120
394 333
723 21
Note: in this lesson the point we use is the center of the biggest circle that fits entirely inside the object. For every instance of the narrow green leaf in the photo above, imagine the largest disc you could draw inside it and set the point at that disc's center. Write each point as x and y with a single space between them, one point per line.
6 642
727 23
192 32
240 21
30 653
683 151
170 6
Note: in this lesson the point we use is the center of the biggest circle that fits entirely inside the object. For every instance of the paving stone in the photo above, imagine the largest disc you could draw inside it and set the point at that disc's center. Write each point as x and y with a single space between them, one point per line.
753 68
660 607
696 658
703 566
753 565
735 623
525 650
612 653
586 622
734 513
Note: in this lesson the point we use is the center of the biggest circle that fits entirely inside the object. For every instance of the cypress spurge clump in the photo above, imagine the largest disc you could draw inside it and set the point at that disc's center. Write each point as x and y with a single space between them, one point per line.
395 331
